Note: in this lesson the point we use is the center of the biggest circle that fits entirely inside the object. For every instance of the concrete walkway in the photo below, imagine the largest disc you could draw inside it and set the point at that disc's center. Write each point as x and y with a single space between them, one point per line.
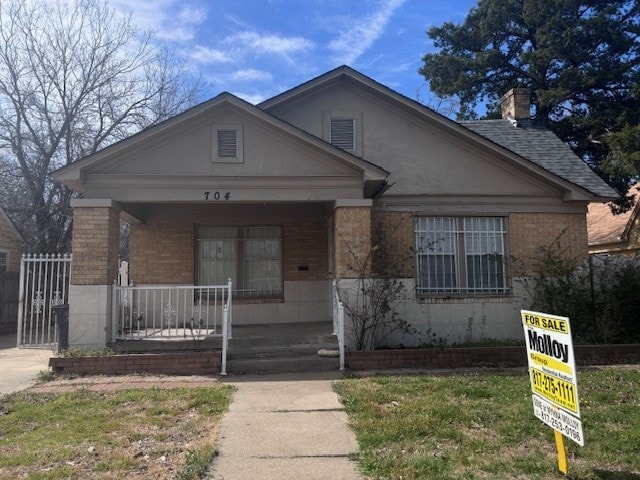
287 426
19 367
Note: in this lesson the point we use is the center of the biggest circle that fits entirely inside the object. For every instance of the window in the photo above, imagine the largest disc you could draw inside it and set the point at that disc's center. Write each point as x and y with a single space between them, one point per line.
227 143
461 255
343 133
4 262
251 256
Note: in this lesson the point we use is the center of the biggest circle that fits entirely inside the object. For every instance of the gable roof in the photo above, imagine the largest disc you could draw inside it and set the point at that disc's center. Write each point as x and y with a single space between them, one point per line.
605 227
72 174
545 149
540 148
12 227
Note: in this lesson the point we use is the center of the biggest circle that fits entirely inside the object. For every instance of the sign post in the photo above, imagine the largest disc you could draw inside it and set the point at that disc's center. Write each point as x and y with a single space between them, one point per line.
552 373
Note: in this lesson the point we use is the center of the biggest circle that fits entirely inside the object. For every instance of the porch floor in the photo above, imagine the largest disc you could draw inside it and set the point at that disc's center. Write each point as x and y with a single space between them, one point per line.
243 335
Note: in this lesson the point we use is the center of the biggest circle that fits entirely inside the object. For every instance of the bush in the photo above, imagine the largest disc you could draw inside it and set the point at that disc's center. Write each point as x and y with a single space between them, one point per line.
601 295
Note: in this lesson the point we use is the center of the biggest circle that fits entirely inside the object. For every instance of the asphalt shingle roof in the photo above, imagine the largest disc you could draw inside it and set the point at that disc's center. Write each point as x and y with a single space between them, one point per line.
544 148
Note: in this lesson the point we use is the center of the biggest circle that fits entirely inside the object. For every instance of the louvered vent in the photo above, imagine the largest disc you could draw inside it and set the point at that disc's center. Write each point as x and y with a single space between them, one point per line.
343 133
227 143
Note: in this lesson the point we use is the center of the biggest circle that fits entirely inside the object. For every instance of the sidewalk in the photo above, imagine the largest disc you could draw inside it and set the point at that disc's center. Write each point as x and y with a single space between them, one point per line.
19 367
287 426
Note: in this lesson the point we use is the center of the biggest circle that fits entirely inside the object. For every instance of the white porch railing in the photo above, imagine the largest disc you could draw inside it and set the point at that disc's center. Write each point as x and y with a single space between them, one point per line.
338 322
173 312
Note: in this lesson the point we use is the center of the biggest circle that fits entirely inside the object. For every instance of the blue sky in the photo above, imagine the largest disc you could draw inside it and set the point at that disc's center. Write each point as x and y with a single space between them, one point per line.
258 48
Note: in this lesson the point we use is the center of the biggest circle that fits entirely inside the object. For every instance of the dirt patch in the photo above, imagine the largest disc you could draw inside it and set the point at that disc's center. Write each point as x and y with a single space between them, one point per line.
102 383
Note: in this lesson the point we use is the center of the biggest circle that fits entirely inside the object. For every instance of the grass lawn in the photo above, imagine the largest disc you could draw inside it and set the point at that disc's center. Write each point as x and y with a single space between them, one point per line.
481 426
133 434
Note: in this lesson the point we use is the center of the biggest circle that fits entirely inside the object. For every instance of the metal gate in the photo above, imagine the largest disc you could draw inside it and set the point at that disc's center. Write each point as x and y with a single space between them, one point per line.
44 283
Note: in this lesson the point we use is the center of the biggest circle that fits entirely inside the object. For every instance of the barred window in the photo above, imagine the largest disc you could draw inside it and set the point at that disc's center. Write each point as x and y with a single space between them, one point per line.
461 255
251 256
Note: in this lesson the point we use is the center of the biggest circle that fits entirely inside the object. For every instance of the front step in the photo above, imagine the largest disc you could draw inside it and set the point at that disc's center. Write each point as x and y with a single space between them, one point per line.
304 363
282 348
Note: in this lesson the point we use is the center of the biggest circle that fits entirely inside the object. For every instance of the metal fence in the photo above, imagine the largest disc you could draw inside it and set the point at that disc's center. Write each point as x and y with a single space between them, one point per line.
44 283
338 322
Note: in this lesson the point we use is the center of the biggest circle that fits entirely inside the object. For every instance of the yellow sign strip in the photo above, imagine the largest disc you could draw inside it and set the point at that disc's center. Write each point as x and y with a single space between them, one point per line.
545 361
562 453
547 322
557 391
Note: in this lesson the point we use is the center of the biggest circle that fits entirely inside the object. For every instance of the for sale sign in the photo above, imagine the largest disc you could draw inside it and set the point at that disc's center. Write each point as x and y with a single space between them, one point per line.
552 372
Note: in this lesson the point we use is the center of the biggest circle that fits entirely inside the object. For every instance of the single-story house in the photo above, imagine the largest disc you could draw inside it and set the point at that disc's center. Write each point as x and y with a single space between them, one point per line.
11 243
282 198
612 233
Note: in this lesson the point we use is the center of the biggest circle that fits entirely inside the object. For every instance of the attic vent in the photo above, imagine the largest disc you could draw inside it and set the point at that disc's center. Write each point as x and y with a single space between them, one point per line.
343 133
227 143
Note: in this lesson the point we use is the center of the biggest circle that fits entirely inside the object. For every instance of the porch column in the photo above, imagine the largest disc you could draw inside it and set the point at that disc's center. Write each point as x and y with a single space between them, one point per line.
351 238
95 247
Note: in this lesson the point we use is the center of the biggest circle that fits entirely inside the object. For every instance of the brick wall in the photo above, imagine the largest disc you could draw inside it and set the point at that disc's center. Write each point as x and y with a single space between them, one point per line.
393 234
351 240
95 246
162 253
529 231
182 363
305 244
494 357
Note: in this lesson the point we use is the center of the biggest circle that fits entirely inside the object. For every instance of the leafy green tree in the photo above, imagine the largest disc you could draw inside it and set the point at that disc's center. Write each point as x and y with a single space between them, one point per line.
580 60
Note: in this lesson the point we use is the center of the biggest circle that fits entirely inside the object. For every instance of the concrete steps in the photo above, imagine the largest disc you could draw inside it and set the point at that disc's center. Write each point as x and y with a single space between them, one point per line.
276 348
281 348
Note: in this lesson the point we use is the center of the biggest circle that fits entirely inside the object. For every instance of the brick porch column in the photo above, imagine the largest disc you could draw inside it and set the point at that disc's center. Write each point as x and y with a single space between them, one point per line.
94 268
351 237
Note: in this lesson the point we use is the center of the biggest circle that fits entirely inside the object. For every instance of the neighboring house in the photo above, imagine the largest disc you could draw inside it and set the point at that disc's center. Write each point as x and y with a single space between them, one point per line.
10 245
615 234
282 198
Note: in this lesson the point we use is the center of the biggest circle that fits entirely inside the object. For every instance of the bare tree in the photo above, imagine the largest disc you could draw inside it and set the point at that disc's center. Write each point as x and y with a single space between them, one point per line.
75 76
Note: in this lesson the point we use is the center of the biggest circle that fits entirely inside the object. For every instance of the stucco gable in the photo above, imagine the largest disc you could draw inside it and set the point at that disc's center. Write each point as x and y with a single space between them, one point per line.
297 104
183 146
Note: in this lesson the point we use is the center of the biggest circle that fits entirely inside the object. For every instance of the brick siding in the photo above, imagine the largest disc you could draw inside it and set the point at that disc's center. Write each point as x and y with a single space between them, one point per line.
351 240
162 253
305 244
490 357
393 234
95 246
182 363
529 231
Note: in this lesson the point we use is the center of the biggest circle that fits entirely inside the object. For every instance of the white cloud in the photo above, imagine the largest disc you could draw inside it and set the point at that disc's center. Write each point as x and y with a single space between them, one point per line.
208 55
360 34
174 20
253 98
275 44
251 75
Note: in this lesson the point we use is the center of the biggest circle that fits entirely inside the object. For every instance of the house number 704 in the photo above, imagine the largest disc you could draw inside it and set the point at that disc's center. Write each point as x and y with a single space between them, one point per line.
217 195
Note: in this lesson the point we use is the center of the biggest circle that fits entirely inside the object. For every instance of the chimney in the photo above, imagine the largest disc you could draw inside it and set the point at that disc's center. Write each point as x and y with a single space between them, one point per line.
516 105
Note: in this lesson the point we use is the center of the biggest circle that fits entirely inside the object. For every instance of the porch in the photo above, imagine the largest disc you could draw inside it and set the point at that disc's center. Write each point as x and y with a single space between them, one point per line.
291 347
200 318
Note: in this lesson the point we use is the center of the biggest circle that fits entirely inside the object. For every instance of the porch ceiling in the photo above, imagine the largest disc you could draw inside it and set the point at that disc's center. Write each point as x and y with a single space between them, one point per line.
226 213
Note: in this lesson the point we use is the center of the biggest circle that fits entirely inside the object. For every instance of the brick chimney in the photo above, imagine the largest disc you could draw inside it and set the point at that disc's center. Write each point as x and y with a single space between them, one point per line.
516 105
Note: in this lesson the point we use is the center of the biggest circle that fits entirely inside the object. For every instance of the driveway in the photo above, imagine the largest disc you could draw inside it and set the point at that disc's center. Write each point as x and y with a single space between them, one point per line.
19 367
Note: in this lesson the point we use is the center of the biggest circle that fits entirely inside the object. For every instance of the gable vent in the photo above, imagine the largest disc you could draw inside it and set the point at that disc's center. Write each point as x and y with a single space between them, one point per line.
227 143
343 133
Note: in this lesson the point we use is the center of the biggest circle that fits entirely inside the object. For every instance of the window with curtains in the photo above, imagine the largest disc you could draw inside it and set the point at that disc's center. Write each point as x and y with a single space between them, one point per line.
251 256
461 255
